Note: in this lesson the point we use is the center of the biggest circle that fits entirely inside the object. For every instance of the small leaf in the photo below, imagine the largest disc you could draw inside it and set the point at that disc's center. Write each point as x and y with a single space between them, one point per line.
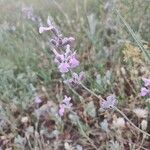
148 105
89 109
92 24
104 125
20 140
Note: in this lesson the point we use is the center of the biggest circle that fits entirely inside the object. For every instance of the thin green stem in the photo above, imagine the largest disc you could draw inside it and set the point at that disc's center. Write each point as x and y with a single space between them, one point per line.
133 35
138 129
80 97
119 111
98 96
84 134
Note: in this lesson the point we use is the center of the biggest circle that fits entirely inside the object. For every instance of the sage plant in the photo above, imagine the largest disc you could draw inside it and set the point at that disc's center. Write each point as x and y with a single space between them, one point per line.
66 61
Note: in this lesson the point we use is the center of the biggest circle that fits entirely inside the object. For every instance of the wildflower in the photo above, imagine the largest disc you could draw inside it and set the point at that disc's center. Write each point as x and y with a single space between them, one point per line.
76 79
37 100
42 29
144 91
65 61
110 102
49 28
56 41
63 67
54 30
71 57
146 82
61 61
67 41
62 42
73 61
140 113
61 109
65 105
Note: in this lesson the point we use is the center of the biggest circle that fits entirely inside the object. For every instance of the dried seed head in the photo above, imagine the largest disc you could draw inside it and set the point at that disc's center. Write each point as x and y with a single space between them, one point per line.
119 123
140 113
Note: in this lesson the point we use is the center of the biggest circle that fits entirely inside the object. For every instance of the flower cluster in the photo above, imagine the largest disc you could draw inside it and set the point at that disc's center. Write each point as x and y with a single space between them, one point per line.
65 105
145 90
50 27
66 60
76 79
58 40
109 103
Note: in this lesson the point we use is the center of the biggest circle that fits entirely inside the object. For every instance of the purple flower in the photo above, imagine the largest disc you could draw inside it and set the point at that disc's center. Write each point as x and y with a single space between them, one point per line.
146 82
71 57
62 63
58 41
144 91
63 67
73 62
76 79
67 41
65 61
54 30
61 109
109 103
37 100
65 105
43 29
49 28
